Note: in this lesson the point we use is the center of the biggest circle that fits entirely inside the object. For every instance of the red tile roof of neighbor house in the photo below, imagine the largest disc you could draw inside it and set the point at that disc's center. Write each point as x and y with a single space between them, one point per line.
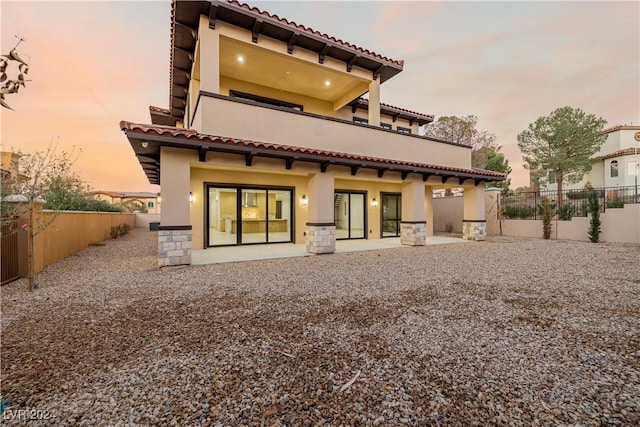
618 127
192 135
312 31
623 152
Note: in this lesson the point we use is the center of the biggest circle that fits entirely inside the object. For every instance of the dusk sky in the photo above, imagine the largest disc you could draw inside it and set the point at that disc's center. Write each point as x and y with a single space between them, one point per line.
94 64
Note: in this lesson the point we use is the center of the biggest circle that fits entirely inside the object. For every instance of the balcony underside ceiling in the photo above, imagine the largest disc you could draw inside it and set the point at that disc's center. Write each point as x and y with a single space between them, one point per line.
287 73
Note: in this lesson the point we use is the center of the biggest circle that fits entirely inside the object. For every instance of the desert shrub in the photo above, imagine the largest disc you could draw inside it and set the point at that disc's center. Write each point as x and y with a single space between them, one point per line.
616 202
518 212
547 212
119 230
594 224
566 212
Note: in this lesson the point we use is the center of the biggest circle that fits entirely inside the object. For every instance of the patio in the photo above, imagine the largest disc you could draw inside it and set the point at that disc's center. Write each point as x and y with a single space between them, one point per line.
289 250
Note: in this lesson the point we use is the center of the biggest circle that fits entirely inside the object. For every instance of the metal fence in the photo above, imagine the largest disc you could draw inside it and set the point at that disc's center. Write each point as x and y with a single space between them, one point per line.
565 204
9 247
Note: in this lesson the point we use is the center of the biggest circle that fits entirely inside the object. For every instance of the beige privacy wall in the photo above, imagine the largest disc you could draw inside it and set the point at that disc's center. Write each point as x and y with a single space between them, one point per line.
73 231
620 225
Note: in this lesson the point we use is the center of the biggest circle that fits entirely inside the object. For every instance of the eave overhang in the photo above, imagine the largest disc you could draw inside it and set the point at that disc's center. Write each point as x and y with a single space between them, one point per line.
184 32
394 112
146 141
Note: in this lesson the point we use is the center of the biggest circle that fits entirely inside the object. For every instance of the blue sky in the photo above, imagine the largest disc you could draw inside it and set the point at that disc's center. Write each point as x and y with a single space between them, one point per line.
96 63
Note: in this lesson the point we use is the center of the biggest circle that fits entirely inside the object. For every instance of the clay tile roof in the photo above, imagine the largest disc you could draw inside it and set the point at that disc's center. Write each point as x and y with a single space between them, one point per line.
623 152
154 109
619 127
191 135
312 31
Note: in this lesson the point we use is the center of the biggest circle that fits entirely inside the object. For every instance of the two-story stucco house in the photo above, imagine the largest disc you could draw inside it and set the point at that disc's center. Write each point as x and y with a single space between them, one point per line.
268 139
616 164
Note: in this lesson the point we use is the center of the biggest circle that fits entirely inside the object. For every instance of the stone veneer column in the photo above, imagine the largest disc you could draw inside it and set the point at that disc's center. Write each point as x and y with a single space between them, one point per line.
474 230
174 245
413 233
321 238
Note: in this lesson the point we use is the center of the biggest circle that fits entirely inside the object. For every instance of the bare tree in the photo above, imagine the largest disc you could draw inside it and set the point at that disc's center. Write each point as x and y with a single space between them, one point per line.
25 193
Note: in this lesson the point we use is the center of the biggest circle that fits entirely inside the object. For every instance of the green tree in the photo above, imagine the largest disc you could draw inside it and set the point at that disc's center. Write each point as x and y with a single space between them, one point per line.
461 130
485 152
563 143
498 163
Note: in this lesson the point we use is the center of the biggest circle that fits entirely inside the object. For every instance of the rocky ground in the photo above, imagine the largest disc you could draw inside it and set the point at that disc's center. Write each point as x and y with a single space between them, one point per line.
504 332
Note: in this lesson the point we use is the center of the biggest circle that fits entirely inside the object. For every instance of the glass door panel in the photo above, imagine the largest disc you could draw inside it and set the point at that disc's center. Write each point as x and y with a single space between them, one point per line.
391 214
279 220
341 215
356 216
349 215
223 216
254 210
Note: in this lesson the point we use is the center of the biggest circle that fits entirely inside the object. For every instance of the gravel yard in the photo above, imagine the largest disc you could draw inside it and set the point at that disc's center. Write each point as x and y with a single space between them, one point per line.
504 332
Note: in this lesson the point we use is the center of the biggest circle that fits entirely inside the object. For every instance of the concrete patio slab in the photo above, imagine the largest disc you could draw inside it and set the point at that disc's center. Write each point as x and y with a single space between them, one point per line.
289 250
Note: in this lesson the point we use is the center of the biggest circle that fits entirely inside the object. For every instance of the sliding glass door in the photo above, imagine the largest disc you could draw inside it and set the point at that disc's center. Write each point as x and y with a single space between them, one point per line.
249 215
349 215
391 214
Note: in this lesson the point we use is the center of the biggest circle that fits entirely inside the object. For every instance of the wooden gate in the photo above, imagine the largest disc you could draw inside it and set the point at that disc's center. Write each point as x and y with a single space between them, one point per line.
9 251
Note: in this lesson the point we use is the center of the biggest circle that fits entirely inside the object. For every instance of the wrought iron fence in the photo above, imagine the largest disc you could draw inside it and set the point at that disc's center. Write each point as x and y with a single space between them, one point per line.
565 204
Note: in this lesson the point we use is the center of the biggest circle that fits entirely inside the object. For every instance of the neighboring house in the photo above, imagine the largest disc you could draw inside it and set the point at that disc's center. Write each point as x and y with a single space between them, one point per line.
616 164
268 140
150 202
8 165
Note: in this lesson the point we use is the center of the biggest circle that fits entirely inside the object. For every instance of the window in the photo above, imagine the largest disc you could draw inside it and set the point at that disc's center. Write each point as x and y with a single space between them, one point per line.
613 169
404 130
150 204
360 120
265 101
385 126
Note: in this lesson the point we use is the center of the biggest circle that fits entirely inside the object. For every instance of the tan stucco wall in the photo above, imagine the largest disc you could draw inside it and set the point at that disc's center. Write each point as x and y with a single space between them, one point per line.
251 122
73 231
620 225
447 210
143 219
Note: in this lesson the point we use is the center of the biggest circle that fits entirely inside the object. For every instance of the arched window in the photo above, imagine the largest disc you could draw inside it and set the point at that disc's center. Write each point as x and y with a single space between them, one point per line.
613 169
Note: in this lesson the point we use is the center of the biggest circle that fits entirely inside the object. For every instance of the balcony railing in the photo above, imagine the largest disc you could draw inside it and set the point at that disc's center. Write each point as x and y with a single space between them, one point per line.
574 202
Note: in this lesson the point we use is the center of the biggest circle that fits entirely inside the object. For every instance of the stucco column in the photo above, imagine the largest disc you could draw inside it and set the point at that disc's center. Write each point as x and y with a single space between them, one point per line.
414 222
209 41
374 102
174 233
474 226
428 208
321 228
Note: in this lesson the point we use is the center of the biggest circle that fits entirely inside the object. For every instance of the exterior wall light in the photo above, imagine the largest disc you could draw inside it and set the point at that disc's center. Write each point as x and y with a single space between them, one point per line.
144 144
374 203
190 197
304 201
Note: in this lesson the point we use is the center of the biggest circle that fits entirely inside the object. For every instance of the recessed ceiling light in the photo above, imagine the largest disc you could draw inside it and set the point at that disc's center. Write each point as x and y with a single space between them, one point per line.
327 83
240 58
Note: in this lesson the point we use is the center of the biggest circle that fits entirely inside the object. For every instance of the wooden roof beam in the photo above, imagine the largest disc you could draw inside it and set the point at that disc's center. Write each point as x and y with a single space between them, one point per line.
213 13
256 30
323 53
351 62
292 42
